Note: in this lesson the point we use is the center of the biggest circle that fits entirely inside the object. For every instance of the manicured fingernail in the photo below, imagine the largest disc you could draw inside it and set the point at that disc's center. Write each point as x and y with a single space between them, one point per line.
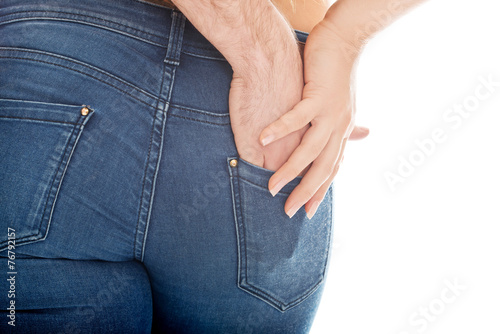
266 140
277 187
293 210
363 129
312 209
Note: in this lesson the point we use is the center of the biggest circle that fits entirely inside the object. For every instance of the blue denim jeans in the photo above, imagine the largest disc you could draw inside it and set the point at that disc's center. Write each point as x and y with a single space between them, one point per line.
124 207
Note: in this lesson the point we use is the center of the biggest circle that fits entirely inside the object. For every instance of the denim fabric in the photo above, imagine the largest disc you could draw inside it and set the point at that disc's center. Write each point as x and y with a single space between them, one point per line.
129 216
280 260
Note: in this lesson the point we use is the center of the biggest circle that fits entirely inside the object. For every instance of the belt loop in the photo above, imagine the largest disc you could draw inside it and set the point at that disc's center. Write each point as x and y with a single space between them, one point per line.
175 39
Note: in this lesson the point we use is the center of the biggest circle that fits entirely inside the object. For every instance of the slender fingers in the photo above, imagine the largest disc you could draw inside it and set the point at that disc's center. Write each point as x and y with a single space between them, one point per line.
321 145
318 174
312 205
293 120
311 146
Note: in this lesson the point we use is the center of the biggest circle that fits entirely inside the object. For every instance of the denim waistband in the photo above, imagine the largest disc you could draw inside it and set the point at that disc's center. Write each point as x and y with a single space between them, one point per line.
138 19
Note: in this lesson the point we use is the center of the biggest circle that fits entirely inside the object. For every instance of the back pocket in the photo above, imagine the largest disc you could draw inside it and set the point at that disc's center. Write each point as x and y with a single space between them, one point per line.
36 143
281 260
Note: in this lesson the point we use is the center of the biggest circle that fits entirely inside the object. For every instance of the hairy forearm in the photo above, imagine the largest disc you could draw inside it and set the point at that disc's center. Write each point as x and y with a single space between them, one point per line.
356 21
248 33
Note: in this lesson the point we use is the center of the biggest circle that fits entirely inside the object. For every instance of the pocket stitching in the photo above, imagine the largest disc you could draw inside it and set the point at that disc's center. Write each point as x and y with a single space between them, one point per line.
67 152
39 119
281 192
243 261
65 159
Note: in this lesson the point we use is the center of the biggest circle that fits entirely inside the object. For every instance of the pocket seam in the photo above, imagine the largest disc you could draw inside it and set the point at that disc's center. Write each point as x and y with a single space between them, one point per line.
56 180
39 119
281 192
243 283
268 171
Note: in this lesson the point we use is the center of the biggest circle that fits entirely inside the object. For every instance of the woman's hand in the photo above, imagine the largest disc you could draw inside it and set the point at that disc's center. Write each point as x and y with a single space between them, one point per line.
328 106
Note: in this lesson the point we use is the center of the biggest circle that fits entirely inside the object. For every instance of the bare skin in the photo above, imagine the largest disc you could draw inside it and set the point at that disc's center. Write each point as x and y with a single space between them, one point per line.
328 99
301 15
291 115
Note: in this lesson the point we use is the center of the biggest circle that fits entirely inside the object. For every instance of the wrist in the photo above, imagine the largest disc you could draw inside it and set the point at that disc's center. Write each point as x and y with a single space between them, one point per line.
343 34
357 21
250 34
262 43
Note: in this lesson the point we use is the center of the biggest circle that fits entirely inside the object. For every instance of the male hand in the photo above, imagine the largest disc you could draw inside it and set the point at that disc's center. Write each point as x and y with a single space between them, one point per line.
258 98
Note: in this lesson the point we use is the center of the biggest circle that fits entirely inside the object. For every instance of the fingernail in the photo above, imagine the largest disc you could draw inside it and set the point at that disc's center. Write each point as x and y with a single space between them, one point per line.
293 210
277 187
312 209
362 128
267 140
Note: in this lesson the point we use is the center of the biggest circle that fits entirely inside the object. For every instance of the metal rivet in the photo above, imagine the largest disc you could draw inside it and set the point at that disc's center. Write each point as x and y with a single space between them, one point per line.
84 111
233 163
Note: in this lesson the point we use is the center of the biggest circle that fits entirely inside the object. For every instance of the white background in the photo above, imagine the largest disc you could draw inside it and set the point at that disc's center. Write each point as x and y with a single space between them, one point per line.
394 250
